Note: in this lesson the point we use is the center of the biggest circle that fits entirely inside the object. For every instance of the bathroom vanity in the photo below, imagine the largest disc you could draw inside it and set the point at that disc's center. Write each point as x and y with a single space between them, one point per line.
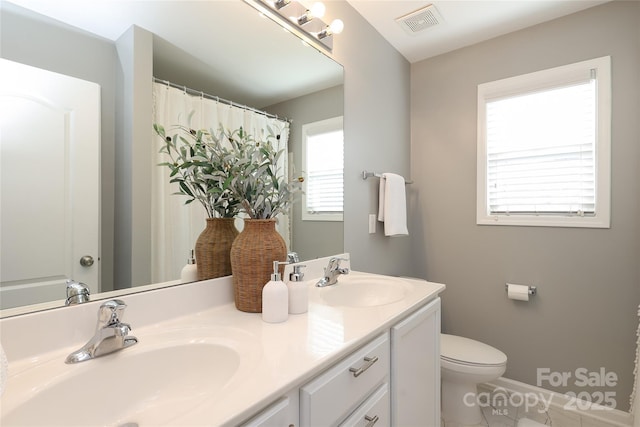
366 353
393 379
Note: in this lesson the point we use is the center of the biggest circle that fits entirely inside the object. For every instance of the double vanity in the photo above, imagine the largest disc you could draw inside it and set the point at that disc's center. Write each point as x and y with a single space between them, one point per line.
366 353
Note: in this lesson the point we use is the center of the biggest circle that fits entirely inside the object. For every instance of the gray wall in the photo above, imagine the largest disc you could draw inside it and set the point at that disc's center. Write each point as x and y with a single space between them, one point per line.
376 133
133 159
585 314
31 39
311 239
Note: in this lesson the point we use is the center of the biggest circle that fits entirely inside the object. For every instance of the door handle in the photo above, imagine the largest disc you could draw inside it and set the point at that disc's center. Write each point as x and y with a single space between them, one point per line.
86 261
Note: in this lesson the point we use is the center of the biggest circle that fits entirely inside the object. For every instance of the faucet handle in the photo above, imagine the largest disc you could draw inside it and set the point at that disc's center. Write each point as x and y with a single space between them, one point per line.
110 313
334 263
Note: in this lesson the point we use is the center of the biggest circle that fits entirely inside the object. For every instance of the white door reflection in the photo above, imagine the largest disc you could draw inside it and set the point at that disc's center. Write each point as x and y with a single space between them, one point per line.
49 183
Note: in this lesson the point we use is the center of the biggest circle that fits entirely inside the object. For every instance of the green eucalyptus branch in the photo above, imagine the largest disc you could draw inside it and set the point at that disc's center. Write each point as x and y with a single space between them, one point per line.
228 171
196 167
257 179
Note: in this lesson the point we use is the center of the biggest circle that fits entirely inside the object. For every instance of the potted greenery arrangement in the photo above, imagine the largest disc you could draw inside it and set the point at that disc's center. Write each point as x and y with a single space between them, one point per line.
256 180
196 166
230 172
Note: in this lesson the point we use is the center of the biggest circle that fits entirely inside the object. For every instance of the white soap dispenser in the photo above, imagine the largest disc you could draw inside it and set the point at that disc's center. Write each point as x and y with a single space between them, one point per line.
298 291
275 298
189 272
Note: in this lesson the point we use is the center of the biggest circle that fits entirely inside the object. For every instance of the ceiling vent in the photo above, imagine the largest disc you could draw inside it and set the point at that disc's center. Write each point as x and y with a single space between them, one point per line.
422 19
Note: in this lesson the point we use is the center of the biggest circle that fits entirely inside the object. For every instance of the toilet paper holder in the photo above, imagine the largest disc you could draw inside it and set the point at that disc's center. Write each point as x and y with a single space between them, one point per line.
532 289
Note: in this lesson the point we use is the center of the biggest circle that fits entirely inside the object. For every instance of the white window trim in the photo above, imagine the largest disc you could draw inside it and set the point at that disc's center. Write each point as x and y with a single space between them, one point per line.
311 129
531 82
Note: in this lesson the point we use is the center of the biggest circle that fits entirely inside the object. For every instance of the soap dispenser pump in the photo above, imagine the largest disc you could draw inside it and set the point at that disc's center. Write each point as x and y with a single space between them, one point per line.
298 291
275 298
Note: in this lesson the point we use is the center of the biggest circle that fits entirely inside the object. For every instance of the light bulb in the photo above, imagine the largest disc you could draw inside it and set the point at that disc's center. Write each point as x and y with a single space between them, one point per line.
317 10
336 26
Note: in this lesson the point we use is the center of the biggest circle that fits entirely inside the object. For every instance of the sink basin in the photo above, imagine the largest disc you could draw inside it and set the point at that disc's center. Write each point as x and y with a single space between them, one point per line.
145 385
363 290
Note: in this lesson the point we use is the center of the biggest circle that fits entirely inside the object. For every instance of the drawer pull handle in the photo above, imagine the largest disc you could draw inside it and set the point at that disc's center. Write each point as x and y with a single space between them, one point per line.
372 420
369 361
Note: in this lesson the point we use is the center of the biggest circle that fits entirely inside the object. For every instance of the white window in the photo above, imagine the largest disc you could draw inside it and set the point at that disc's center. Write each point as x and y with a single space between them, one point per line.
323 155
544 147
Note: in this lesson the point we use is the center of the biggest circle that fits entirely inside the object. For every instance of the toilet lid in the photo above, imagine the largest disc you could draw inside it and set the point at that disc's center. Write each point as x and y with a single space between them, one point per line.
469 352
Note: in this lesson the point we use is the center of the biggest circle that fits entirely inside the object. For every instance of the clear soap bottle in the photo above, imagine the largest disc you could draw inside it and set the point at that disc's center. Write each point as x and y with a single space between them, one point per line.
275 298
189 272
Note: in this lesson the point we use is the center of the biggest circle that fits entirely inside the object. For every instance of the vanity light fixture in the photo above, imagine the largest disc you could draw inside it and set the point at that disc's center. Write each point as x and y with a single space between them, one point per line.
316 11
279 4
304 22
335 27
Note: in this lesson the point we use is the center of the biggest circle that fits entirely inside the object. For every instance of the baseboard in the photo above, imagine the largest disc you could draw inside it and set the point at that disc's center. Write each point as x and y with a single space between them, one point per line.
560 403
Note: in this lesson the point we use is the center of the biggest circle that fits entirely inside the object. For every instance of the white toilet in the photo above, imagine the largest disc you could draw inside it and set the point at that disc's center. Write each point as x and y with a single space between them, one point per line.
465 363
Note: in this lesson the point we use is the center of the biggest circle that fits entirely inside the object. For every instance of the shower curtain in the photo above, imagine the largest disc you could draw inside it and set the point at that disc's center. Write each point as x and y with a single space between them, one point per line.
176 226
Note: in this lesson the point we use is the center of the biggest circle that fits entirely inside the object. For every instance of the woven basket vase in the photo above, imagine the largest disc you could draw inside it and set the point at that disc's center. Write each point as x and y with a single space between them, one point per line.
213 248
252 256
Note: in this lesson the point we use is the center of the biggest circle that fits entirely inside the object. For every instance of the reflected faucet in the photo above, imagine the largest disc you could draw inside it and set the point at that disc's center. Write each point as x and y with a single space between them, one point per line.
292 257
77 293
331 272
111 334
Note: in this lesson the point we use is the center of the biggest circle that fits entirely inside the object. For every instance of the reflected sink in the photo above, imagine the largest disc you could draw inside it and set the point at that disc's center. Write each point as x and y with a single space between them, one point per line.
363 290
146 387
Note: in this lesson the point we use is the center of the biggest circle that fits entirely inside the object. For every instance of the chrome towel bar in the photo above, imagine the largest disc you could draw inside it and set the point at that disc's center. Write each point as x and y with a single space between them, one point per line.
367 174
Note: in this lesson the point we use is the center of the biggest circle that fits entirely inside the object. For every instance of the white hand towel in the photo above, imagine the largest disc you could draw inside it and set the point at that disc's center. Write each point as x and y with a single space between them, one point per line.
383 183
392 207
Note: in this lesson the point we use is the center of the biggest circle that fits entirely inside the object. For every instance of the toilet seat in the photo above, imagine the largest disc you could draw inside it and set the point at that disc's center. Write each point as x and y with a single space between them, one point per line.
468 352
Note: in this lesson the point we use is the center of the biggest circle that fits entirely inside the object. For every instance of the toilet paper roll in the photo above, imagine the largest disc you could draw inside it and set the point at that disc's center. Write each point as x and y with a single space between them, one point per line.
518 292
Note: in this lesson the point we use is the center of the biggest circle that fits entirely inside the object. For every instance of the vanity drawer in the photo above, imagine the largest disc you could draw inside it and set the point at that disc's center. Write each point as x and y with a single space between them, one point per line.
375 411
328 399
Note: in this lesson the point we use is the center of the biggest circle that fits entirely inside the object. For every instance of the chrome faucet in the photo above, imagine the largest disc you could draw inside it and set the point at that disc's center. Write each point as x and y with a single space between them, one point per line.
111 334
77 293
331 272
292 257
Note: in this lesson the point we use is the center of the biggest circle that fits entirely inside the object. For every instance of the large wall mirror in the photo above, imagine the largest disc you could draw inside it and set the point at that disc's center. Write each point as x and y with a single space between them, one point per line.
222 48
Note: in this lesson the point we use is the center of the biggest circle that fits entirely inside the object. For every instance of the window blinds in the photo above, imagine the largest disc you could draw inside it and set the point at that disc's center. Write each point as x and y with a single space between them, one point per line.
324 191
325 160
541 151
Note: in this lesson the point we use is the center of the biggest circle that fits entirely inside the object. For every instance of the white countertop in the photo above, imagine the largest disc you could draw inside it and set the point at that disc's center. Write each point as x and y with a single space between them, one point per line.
276 357
293 352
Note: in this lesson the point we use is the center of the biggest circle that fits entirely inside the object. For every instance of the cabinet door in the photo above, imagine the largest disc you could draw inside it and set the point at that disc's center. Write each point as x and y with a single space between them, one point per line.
282 413
415 368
